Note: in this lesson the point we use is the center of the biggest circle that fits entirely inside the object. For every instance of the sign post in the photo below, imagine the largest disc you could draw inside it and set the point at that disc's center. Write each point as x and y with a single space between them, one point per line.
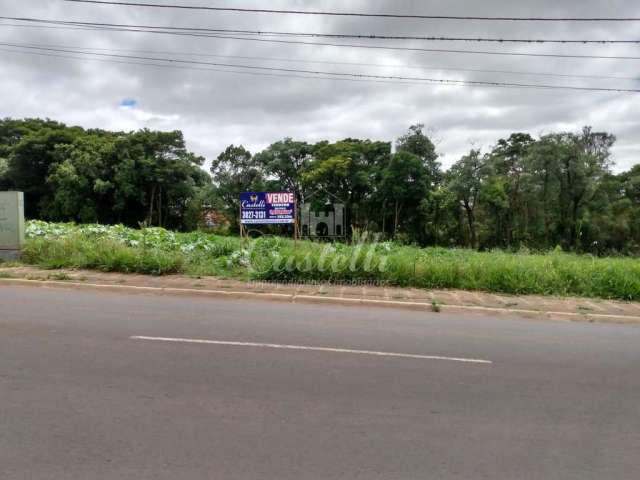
241 226
296 232
11 224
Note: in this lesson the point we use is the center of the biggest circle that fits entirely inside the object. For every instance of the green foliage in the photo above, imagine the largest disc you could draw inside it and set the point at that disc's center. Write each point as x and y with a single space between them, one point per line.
533 192
146 238
158 251
4 169
416 142
465 183
105 255
516 273
233 172
405 182
287 160
117 248
69 173
345 168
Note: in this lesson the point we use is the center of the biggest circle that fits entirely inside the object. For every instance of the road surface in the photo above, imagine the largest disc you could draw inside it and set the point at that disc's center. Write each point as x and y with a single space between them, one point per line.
106 386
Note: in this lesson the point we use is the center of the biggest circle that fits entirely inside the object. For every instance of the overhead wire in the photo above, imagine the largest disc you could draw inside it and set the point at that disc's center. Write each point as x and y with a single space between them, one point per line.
156 30
332 74
359 14
357 64
369 36
218 70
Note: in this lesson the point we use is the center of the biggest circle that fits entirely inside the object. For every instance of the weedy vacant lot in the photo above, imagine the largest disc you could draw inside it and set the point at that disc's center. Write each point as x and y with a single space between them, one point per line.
158 251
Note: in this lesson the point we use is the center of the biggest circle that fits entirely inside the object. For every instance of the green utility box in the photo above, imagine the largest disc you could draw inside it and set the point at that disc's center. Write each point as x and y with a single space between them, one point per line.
11 224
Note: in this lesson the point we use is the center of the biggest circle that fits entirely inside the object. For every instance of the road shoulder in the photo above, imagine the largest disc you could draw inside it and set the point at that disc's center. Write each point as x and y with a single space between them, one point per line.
449 301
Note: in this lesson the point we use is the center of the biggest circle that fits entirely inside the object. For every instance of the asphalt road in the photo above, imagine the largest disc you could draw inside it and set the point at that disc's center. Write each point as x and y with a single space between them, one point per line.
81 399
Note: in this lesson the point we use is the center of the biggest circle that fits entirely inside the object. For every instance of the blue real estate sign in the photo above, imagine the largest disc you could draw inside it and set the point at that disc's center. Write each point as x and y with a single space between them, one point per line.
265 208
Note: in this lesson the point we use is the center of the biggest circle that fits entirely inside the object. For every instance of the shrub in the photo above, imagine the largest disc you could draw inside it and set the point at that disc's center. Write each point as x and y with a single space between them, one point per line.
158 251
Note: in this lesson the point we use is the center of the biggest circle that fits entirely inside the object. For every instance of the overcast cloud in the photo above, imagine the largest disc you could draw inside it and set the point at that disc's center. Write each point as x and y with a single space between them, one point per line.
215 109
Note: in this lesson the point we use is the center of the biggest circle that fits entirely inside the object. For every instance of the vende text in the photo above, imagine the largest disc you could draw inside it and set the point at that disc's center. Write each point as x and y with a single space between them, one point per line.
280 198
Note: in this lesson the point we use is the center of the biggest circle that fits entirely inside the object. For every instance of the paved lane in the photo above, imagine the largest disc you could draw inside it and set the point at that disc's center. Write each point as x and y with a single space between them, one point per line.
81 399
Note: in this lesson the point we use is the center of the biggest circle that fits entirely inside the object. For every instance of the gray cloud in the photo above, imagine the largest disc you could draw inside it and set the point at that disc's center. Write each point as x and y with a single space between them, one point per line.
215 109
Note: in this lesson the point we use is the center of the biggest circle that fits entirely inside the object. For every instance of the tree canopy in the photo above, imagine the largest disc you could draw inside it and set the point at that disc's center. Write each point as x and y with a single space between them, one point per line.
69 173
539 193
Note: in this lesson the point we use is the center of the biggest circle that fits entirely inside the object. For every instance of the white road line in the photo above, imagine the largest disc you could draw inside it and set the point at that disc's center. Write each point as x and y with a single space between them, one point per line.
315 349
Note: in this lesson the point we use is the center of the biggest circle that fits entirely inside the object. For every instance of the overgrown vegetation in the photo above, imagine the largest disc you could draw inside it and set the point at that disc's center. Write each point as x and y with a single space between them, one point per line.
553 194
538 193
73 174
120 249
158 251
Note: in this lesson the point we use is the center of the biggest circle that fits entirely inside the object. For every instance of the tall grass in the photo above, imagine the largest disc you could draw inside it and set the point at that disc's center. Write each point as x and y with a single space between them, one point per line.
101 254
277 259
554 273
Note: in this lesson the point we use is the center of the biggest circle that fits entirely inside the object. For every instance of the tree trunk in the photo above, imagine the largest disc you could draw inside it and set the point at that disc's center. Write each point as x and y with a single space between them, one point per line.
471 220
384 216
152 199
545 194
160 206
574 223
396 219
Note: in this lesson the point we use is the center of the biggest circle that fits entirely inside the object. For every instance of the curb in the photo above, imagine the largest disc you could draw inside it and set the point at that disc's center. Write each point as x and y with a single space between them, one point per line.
312 299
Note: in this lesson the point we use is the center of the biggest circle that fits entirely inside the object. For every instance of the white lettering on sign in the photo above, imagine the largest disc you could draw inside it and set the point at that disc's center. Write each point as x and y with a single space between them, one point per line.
280 198
259 204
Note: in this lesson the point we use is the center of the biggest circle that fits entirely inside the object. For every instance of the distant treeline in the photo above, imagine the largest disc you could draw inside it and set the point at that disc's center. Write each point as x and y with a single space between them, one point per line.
556 190
69 173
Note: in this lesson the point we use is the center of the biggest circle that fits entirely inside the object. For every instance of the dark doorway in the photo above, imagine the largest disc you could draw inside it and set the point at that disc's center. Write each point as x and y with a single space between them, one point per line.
322 230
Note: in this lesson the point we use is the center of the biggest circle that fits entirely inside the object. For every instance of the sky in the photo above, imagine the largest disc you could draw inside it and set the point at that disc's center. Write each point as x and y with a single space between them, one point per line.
217 106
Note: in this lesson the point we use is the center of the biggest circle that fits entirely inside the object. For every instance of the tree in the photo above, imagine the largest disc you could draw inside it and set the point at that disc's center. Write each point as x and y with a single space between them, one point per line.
287 161
345 171
200 202
405 184
235 171
631 191
416 142
465 182
544 191
4 177
31 157
69 173
154 177
539 193
71 180
582 161
507 163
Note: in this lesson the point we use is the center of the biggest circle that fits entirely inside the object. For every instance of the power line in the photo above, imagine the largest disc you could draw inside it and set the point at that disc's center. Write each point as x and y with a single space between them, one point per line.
336 74
360 14
128 28
329 35
219 70
359 64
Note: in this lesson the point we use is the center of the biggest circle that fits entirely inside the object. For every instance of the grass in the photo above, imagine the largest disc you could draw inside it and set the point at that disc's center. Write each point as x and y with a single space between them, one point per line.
554 273
158 252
